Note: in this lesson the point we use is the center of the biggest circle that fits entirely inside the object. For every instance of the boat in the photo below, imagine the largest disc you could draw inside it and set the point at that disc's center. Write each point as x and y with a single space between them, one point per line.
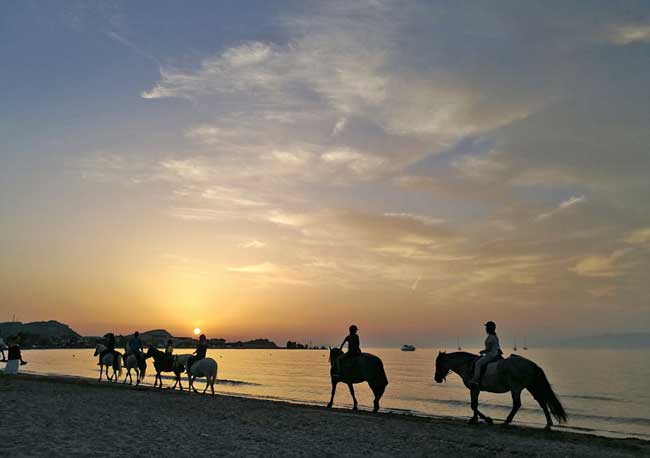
515 346
525 345
458 343
408 348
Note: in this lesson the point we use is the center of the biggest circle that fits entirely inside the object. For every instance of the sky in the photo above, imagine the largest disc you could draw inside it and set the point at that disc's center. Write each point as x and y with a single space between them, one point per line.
285 169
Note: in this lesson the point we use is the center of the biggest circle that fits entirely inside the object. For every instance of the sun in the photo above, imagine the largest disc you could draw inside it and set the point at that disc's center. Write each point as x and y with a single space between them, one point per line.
197 331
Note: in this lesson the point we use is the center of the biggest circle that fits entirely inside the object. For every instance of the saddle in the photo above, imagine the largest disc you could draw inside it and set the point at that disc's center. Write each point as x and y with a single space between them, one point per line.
489 377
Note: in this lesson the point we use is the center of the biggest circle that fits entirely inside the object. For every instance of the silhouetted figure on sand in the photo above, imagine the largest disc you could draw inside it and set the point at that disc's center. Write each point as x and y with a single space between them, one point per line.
199 353
109 342
490 353
2 349
354 348
14 357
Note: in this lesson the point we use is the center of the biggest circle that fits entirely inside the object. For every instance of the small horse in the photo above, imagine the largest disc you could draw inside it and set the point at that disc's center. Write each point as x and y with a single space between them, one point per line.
163 362
206 367
513 374
361 368
107 361
139 365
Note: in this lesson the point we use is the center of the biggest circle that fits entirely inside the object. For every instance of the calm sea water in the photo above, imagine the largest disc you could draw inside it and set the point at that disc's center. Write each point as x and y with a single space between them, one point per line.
604 391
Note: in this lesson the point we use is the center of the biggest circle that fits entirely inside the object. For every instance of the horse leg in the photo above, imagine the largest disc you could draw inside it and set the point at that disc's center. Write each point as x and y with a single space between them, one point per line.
329 404
192 383
207 383
128 372
474 405
516 405
180 383
378 391
354 399
101 371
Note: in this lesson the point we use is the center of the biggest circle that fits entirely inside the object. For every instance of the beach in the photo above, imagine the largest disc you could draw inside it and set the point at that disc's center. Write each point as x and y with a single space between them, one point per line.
57 416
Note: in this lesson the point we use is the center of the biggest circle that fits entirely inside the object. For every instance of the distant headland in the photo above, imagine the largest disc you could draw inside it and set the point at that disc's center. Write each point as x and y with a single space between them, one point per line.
53 334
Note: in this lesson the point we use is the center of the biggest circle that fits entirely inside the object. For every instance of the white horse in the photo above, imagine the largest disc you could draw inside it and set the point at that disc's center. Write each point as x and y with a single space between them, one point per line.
138 365
206 367
107 361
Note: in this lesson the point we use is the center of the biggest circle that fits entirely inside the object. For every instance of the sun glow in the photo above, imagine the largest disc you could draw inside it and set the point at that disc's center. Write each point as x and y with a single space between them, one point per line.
197 331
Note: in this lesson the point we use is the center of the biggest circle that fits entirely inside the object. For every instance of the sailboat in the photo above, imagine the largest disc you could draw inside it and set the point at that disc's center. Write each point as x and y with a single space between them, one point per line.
525 346
515 346
458 342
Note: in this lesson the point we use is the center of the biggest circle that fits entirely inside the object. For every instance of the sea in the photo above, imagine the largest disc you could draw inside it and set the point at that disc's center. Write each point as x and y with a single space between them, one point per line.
605 392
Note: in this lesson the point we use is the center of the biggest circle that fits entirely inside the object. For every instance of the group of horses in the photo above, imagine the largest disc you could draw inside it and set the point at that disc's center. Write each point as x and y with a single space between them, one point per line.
162 362
513 374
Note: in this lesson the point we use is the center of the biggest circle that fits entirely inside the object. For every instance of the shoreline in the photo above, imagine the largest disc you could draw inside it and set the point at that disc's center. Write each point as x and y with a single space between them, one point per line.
436 434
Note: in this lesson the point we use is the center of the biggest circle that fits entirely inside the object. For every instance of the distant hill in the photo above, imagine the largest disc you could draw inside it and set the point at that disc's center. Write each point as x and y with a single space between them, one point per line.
40 328
626 340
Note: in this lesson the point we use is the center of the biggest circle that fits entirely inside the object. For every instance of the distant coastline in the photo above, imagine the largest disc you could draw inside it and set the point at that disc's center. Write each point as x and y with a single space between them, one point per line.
53 334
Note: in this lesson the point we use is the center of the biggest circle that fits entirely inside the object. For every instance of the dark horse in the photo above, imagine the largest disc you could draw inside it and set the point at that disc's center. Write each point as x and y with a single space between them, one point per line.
362 368
163 362
513 374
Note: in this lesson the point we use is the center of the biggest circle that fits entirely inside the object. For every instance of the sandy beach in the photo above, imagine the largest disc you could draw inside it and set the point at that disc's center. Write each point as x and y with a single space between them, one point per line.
59 416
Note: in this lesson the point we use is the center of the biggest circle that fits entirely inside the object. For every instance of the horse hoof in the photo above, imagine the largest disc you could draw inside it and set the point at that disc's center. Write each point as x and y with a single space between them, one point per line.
329 405
355 408
489 421
547 427
472 421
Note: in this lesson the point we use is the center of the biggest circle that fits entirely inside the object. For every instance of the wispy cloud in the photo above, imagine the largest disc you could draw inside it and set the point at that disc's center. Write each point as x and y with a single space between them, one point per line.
562 206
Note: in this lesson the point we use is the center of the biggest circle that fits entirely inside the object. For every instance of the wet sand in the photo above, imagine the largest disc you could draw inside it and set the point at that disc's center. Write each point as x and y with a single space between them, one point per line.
58 416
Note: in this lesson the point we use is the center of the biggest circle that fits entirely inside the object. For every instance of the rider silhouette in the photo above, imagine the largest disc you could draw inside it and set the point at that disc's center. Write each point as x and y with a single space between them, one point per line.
134 347
199 353
491 353
353 347
110 348
169 348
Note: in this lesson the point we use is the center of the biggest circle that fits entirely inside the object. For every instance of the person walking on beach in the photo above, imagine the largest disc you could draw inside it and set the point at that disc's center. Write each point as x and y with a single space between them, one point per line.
134 347
199 353
354 348
110 348
492 352
169 348
2 349
14 357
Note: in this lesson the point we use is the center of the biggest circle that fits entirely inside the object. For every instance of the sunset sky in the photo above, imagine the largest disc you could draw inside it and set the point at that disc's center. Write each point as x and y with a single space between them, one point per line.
284 169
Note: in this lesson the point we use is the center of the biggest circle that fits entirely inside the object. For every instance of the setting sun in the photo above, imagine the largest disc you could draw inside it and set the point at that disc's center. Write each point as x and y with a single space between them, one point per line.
197 331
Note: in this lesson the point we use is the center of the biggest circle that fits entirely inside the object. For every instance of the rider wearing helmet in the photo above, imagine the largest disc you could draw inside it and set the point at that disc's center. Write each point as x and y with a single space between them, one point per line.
199 353
491 353
354 348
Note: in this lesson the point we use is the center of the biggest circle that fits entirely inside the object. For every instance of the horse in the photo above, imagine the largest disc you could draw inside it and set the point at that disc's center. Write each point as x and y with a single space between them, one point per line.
163 362
107 361
361 368
513 375
139 365
206 367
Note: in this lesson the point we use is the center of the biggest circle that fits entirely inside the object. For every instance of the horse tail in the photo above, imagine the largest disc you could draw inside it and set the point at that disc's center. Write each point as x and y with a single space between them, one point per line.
541 390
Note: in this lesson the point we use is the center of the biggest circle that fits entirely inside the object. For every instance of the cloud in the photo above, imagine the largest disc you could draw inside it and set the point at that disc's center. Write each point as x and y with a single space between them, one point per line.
638 237
600 265
562 206
630 33
264 268
252 244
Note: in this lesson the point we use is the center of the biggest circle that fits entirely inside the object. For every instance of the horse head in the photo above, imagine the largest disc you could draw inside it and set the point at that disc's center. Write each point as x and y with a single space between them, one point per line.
334 354
99 348
442 367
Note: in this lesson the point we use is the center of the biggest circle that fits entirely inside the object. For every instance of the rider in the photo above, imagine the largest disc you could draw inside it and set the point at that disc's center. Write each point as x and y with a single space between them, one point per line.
199 353
110 348
169 348
353 347
134 347
491 353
